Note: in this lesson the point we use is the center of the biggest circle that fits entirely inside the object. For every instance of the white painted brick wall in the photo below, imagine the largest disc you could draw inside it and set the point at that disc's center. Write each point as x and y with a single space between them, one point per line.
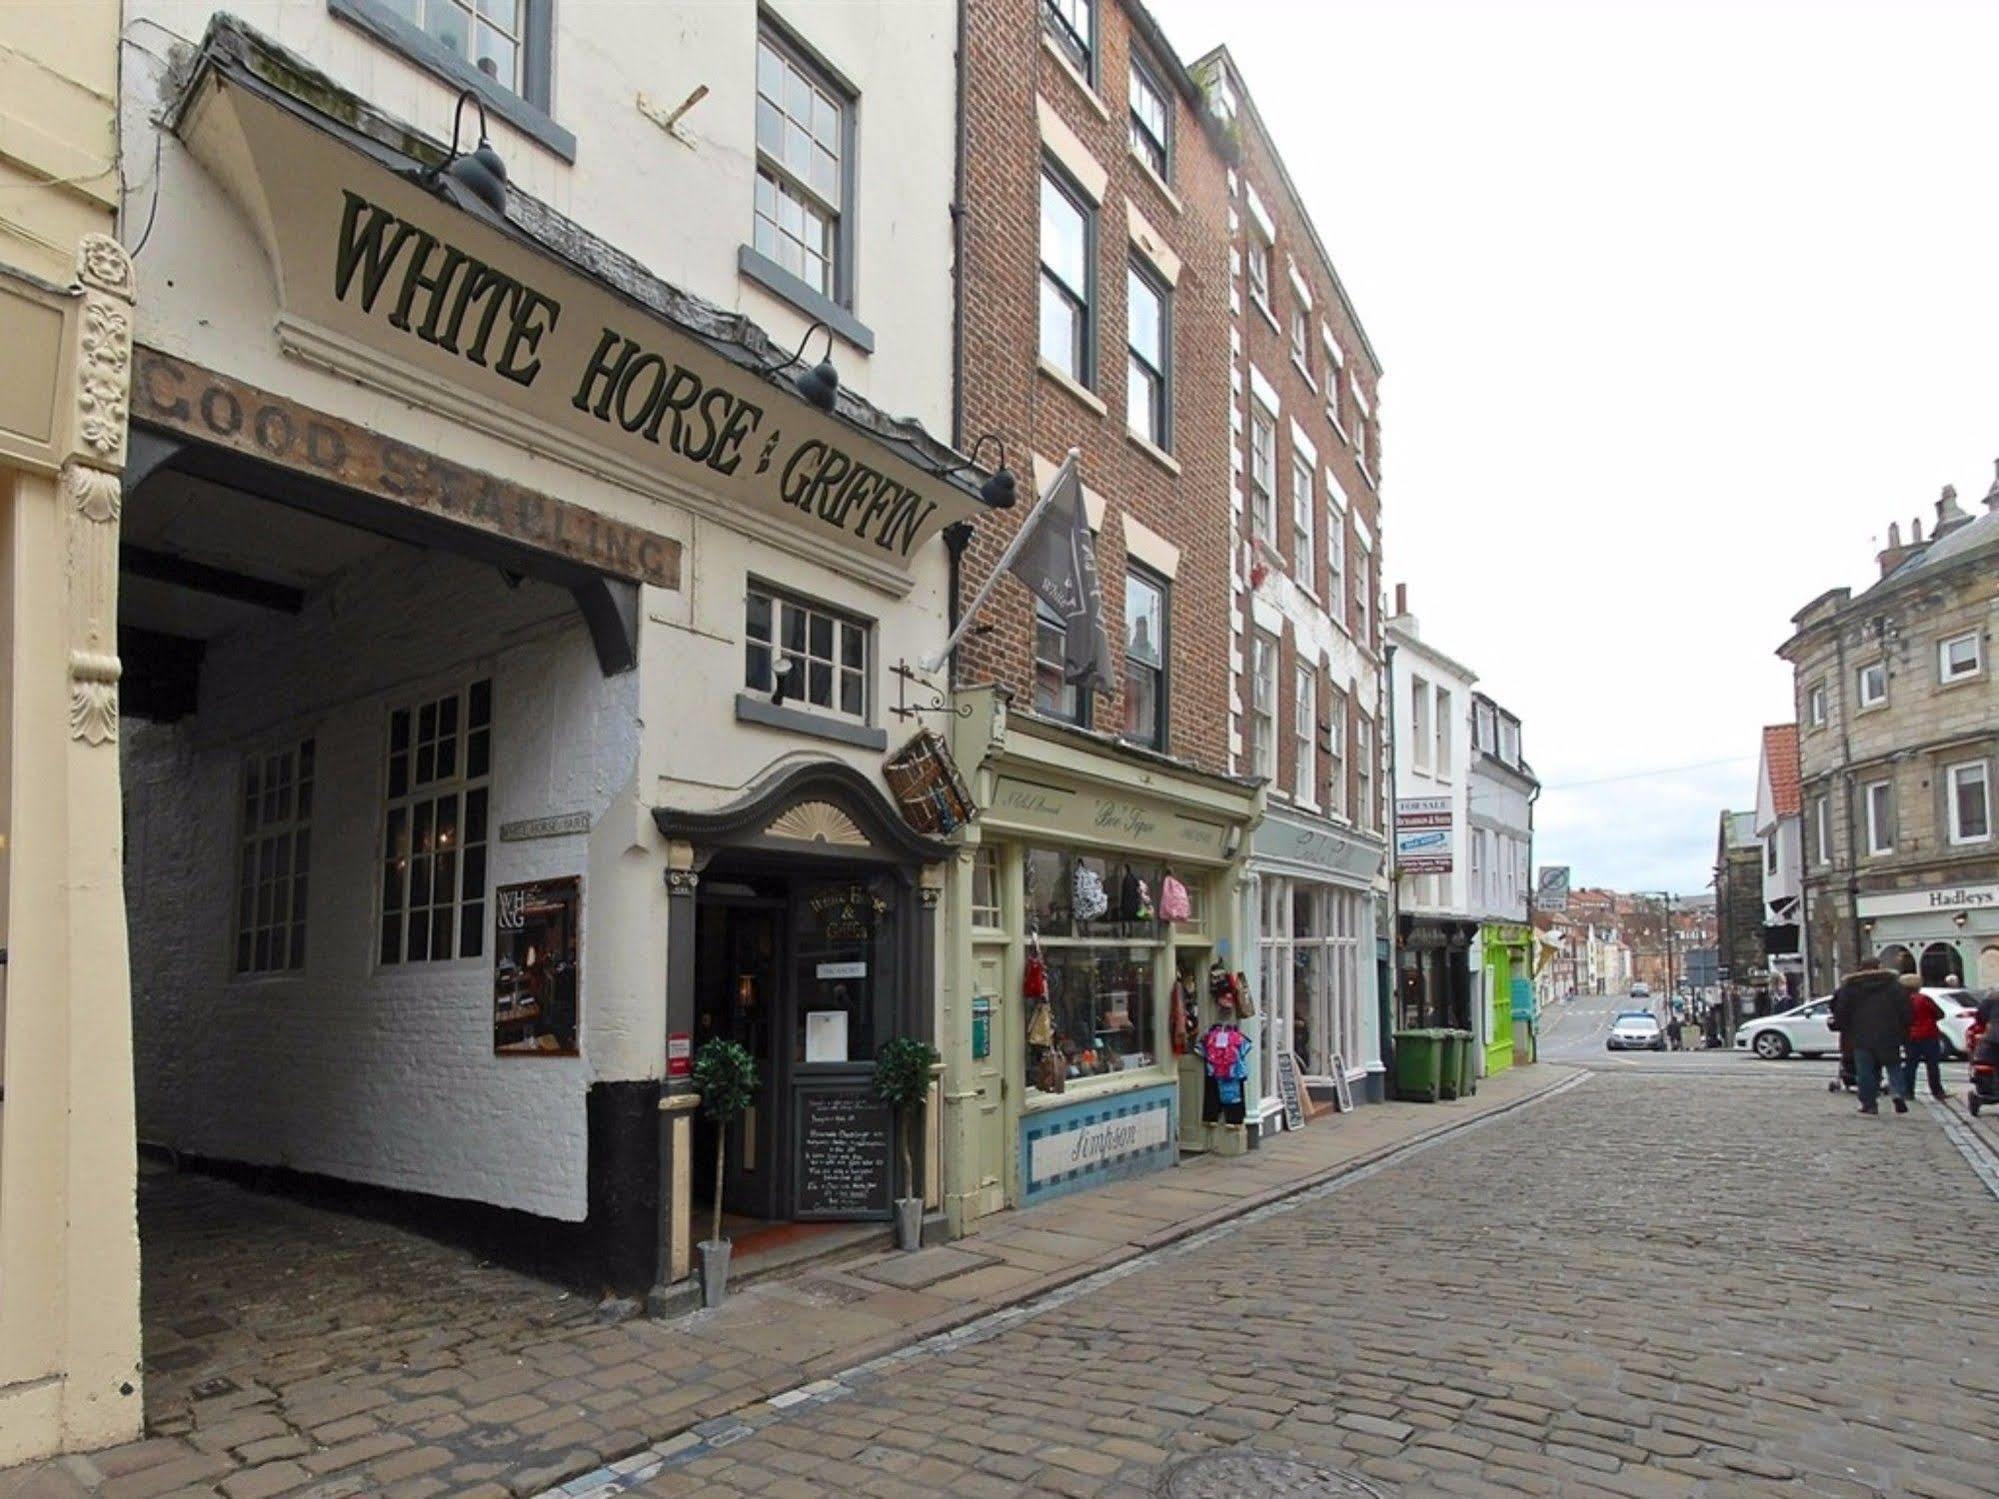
381 1075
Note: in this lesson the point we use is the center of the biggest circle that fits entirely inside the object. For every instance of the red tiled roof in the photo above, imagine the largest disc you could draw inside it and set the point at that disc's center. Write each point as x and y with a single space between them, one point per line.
1780 753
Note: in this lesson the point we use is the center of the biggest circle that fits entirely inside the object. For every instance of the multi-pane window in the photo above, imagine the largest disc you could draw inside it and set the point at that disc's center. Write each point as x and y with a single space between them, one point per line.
801 168
1263 706
488 34
1336 752
1336 554
1150 120
434 851
986 888
1363 772
1363 592
1873 684
1420 737
1145 659
1148 340
1880 803
1054 694
1815 705
1304 734
1258 260
1066 239
1958 658
827 653
1444 727
1301 348
1304 508
1072 25
276 856
1969 813
1262 474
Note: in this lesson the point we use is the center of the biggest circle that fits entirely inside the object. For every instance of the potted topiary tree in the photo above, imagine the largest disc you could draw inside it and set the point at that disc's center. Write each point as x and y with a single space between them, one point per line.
902 1080
726 1076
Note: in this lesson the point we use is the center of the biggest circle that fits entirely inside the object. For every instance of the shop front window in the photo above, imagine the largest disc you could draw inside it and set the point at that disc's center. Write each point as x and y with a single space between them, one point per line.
1093 921
845 954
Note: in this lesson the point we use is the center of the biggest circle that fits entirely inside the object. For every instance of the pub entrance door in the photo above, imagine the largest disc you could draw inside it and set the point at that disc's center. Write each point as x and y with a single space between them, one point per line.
739 981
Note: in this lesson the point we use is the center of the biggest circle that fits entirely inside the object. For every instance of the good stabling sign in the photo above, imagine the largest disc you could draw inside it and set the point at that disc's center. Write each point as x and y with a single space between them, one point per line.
430 290
184 398
843 1155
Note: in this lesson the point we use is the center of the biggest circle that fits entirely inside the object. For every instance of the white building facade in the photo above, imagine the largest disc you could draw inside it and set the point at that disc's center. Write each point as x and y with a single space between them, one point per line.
1436 922
515 584
1500 845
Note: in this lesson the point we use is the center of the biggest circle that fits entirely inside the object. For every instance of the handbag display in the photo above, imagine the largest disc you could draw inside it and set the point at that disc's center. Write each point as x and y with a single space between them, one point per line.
1173 902
1087 900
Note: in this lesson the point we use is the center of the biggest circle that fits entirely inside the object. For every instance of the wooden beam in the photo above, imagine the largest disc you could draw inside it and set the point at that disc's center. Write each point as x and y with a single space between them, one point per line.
184 572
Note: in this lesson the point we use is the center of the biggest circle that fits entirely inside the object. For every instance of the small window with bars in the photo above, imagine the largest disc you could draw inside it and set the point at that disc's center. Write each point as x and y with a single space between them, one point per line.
439 806
275 860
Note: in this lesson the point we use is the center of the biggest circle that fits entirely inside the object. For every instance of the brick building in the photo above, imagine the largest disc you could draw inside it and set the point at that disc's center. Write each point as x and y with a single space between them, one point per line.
1305 647
1898 718
1095 318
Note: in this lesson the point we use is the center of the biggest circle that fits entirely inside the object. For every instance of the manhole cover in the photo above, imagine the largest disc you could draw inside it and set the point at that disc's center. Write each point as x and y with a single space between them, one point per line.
1231 1475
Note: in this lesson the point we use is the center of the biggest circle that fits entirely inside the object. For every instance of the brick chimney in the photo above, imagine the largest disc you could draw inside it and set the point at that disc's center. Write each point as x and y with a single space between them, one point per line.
1949 517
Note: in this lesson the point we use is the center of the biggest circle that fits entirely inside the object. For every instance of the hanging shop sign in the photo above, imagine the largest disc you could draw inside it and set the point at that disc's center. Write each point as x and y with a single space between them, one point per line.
536 976
383 281
1123 821
1423 835
183 398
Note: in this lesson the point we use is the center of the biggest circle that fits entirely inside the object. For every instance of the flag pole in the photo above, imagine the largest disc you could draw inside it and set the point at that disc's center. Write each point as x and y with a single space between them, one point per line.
931 663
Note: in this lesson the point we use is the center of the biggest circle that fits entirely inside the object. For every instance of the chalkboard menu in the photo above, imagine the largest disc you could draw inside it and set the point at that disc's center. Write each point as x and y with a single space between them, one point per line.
843 1155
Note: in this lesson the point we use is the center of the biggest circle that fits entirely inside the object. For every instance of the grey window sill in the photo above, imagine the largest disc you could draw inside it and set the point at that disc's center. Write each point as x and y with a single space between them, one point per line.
754 708
816 305
432 56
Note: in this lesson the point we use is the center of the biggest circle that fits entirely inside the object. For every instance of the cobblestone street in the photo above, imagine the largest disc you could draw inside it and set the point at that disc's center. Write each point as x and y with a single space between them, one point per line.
1642 1286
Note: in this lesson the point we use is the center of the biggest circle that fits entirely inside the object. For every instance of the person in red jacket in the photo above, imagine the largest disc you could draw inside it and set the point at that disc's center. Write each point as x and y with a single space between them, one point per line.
1925 1045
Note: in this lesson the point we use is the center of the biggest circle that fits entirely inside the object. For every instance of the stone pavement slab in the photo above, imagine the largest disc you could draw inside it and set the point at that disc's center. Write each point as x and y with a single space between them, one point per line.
284 1339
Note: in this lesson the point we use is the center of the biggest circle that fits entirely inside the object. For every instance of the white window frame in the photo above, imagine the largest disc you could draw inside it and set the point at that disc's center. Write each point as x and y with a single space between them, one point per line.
274 860
1879 810
1445 708
1363 771
1822 819
1143 83
798 689
1263 654
1363 592
1422 734
1301 341
1336 752
1874 672
466 923
1336 550
1815 712
1262 474
1946 674
1257 257
1955 777
1304 507
787 181
1305 734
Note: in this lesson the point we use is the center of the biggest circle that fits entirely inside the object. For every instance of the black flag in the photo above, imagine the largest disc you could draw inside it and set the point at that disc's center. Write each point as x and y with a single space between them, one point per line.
1058 560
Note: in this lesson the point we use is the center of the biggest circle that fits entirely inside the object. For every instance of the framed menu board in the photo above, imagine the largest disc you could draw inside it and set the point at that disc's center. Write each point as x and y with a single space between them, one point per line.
536 976
843 1153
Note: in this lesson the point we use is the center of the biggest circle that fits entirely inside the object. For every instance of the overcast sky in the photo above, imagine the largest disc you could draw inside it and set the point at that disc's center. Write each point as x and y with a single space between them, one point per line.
1680 305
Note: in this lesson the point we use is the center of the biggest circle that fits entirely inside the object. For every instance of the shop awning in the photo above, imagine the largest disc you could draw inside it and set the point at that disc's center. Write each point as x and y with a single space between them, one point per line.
531 329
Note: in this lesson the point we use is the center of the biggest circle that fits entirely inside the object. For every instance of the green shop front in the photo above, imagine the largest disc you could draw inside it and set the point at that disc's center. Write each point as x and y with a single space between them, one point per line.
1505 984
1065 863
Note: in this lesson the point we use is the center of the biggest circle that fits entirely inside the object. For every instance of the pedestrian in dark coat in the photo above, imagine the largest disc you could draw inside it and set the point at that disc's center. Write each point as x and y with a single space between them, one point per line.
1871 1007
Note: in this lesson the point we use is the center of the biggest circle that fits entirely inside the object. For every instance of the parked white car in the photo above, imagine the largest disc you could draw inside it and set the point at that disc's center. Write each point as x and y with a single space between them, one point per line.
1805 1030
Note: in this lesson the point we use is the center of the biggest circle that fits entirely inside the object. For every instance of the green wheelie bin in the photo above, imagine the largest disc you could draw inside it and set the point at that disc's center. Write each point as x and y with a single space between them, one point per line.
1467 1065
1419 1065
1451 1047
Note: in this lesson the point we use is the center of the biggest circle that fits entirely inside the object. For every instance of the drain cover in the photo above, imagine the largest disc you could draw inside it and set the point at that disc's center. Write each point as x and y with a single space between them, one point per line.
1230 1475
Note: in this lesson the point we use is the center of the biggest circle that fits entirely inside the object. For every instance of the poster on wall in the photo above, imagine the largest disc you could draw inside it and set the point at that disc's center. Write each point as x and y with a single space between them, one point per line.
1423 829
535 970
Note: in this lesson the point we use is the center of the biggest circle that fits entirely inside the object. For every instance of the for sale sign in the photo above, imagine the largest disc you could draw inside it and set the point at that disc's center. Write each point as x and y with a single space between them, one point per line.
1423 835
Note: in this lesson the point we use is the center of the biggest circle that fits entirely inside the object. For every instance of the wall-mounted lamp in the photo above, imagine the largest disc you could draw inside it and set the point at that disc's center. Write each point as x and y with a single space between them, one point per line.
780 675
820 385
1000 490
1960 920
479 171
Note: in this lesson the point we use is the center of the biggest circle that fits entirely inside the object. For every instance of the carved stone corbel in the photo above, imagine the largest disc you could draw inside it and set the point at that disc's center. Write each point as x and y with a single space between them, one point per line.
90 484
